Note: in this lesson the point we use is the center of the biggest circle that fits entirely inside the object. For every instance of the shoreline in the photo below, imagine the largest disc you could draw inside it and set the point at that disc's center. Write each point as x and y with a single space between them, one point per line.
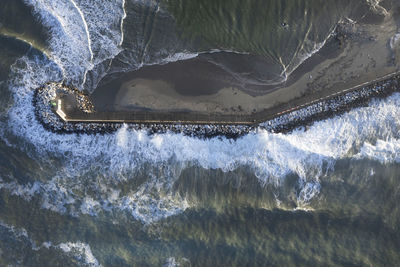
356 54
282 121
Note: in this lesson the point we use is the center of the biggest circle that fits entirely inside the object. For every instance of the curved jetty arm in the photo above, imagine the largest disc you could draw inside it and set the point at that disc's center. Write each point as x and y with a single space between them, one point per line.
75 112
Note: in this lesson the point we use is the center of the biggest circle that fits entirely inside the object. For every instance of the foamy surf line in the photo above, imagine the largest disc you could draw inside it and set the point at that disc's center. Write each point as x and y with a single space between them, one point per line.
271 156
83 34
119 154
158 148
80 251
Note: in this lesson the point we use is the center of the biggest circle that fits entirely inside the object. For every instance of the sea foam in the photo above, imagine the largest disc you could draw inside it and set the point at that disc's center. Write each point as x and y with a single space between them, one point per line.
83 34
78 250
307 154
368 132
81 252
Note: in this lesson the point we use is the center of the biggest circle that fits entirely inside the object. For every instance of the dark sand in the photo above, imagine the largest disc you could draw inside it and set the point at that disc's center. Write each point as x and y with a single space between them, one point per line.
360 53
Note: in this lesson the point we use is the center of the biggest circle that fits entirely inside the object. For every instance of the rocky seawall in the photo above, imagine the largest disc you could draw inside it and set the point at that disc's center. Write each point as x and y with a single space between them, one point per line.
45 103
333 105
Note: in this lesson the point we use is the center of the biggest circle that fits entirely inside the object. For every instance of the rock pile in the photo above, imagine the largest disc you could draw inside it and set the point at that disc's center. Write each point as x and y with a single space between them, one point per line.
45 103
331 106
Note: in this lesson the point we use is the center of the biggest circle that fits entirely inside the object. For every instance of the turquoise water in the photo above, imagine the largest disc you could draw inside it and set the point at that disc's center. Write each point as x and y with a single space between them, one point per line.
326 196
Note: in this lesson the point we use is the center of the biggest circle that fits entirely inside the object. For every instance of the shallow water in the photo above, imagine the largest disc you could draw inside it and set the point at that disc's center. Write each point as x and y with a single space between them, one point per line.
325 196
253 44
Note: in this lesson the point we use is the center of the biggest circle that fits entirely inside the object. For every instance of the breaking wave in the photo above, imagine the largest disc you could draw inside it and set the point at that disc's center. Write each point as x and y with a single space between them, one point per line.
112 159
368 132
77 250
83 34
81 252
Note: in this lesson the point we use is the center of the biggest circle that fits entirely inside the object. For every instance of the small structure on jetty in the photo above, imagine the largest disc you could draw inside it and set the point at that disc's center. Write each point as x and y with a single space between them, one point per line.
64 109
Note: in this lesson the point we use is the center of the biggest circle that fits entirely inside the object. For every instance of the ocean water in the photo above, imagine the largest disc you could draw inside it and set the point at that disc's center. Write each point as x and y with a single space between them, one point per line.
325 196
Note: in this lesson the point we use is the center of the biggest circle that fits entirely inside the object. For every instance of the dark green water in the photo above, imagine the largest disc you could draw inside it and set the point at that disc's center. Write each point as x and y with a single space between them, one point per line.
278 35
325 197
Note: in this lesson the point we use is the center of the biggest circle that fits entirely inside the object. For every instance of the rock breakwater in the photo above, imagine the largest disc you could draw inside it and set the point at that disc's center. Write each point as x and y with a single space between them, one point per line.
46 104
333 105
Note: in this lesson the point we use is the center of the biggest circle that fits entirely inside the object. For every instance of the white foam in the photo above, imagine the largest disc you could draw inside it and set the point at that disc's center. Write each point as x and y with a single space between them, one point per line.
81 251
83 33
150 202
171 262
394 41
53 194
90 206
375 6
122 136
116 156
308 49
21 235
18 232
164 58
384 151
87 36
308 191
122 23
271 156
86 29
178 57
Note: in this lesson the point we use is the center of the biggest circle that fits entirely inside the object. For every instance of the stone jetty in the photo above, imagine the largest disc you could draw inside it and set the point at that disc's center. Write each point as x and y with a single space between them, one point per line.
64 109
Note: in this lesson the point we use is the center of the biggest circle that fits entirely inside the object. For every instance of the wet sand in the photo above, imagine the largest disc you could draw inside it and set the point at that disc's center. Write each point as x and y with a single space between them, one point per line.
360 53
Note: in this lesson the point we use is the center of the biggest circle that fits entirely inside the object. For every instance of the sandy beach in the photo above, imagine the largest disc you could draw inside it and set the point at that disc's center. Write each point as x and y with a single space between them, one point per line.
360 52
